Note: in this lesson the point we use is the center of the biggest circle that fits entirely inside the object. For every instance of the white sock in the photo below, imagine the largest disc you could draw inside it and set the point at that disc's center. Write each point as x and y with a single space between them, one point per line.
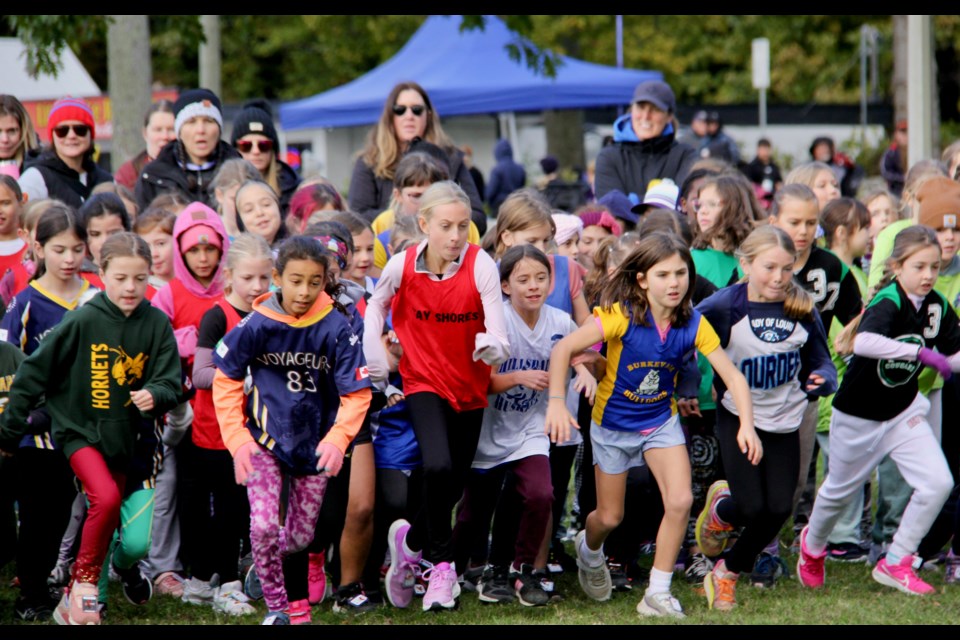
593 558
659 581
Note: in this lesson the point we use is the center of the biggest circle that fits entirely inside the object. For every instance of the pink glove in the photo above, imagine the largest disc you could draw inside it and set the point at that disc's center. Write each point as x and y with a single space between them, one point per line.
329 459
936 360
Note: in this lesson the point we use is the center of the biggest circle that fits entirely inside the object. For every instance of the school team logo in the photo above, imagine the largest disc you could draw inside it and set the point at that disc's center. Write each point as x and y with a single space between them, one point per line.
127 370
772 330
894 373
650 384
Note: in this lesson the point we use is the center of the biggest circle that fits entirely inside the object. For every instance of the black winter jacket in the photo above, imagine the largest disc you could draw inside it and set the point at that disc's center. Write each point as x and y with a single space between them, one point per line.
165 174
63 183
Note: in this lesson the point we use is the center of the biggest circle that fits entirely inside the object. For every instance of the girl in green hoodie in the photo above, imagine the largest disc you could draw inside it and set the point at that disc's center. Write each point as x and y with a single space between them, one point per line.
105 367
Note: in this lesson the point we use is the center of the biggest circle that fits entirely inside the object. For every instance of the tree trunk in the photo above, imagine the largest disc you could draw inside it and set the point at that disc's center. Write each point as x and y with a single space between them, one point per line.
565 137
210 55
130 76
900 67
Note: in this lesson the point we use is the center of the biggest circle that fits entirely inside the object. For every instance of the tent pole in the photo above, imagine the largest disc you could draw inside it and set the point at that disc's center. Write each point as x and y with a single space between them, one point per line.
514 138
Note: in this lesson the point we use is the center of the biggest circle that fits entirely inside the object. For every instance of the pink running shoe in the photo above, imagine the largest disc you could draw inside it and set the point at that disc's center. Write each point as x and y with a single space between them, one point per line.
400 577
443 589
299 612
810 569
901 577
316 578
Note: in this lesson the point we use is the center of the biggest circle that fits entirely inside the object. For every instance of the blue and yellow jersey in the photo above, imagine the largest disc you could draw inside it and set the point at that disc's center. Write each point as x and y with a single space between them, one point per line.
636 393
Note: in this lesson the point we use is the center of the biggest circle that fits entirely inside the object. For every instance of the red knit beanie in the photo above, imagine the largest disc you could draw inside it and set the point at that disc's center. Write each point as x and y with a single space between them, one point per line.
71 109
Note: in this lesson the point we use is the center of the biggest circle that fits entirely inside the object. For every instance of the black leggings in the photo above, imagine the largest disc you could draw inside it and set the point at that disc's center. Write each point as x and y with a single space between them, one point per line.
398 496
762 495
448 441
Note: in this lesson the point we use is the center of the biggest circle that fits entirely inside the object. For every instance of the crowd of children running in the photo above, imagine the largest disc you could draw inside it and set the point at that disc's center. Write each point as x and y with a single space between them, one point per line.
220 384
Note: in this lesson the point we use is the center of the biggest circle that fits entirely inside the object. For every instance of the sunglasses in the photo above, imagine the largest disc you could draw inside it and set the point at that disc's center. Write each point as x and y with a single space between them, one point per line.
246 146
400 109
64 130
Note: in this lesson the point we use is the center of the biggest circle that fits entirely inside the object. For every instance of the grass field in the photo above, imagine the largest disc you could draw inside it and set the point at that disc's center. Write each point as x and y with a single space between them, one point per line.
851 597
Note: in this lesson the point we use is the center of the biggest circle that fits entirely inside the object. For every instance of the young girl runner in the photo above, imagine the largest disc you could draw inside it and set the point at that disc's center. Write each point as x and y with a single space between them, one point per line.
103 215
894 421
448 315
723 221
820 178
648 323
12 247
598 223
310 391
101 371
835 293
362 270
512 439
770 329
156 227
225 184
524 218
247 272
258 211
44 481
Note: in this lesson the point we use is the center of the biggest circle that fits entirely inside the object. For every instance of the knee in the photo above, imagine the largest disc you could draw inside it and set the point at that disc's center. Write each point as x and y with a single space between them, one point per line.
678 503
609 519
360 512
263 532
539 498
437 469
135 546
106 501
938 488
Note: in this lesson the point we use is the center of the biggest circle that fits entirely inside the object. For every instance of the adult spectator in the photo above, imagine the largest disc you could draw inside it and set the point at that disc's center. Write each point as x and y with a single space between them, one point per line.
255 137
157 132
698 136
18 140
407 115
475 173
894 161
645 146
188 164
764 173
66 170
720 145
506 177
849 174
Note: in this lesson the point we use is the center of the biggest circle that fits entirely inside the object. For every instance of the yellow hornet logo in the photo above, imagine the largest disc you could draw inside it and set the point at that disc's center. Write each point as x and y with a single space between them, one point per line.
127 370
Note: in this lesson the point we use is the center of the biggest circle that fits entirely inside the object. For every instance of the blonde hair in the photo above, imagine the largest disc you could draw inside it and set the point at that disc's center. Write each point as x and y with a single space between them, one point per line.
244 246
439 194
798 303
33 210
405 228
806 173
908 242
918 174
949 154
873 194
125 244
382 151
232 173
523 209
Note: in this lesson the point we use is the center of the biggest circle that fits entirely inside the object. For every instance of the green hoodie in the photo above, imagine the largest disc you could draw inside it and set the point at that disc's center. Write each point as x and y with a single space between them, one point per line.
86 368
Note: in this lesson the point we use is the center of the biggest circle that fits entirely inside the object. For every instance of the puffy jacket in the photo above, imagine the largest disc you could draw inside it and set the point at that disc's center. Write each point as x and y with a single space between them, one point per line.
630 164
165 174
370 195
63 183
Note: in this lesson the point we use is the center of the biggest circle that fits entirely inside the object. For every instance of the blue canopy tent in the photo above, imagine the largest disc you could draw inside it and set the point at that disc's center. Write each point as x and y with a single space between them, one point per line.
465 73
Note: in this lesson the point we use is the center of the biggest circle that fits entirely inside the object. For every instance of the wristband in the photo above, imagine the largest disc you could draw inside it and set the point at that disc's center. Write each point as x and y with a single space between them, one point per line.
558 398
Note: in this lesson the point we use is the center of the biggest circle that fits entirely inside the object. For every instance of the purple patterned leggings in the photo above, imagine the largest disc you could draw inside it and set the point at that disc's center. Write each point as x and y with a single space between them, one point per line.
269 541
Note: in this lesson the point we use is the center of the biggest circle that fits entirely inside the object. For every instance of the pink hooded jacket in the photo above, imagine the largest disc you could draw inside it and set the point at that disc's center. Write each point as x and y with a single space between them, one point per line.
194 214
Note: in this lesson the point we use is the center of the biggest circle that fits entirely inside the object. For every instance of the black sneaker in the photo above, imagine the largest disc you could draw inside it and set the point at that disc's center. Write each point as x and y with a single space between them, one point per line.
697 568
767 569
471 578
618 576
559 561
137 589
495 586
33 611
847 552
350 598
548 585
527 587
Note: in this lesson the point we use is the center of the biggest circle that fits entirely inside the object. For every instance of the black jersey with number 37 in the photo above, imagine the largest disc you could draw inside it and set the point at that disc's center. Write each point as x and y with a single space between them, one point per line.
881 389
832 285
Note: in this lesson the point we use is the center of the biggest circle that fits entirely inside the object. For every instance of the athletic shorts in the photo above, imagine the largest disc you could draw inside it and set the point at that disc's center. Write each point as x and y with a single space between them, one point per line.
618 451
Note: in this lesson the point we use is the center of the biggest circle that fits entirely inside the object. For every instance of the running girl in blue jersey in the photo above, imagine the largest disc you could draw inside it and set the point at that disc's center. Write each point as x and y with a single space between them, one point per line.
650 327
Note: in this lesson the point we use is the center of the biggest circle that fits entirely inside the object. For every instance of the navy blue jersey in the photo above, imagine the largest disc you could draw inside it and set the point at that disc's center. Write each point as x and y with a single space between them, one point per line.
299 371
775 353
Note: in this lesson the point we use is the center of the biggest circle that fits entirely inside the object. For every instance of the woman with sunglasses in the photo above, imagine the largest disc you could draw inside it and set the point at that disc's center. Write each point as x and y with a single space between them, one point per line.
65 171
255 137
188 164
18 140
407 115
